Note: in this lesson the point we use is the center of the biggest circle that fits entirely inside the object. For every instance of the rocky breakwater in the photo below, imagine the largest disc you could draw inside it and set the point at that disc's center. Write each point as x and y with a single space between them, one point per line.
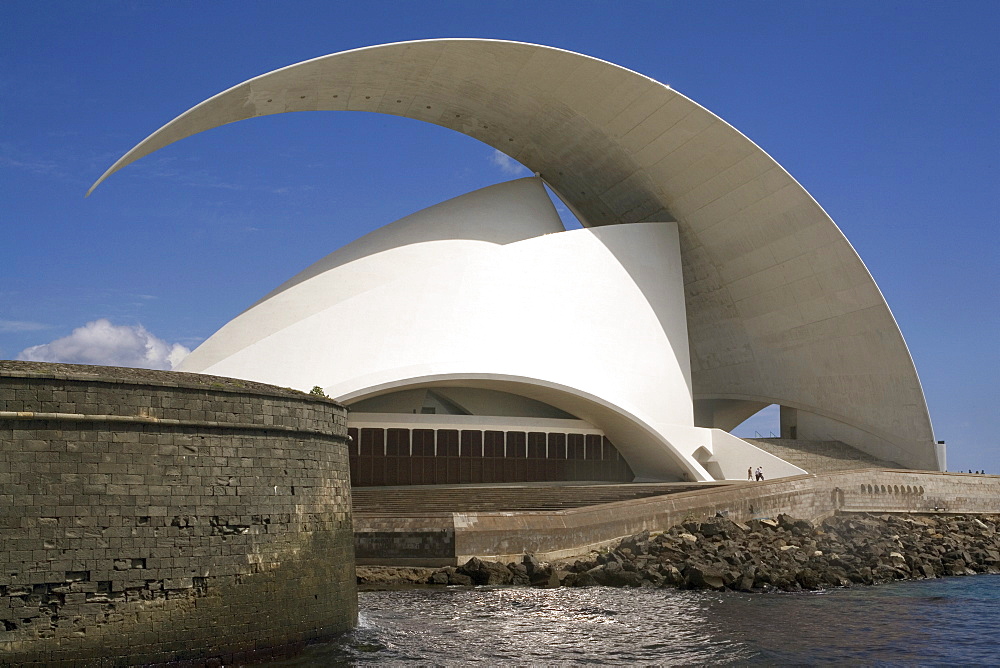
785 554
792 554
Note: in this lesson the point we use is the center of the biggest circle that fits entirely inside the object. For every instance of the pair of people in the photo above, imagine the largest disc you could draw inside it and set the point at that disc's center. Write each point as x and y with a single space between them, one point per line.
755 475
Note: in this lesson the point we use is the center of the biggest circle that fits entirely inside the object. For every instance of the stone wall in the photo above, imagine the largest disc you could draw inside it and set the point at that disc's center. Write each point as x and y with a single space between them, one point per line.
153 517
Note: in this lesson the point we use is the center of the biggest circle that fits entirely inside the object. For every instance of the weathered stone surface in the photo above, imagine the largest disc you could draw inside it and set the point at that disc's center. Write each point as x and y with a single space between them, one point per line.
149 515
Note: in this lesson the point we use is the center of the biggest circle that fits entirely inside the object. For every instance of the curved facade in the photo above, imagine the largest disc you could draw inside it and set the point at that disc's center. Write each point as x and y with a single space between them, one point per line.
776 305
488 292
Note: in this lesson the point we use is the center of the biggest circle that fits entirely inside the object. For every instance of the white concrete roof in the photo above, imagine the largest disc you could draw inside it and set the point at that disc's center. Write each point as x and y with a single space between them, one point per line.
487 291
780 307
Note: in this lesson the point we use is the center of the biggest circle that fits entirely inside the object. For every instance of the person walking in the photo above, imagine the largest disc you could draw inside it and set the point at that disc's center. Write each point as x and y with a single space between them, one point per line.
749 473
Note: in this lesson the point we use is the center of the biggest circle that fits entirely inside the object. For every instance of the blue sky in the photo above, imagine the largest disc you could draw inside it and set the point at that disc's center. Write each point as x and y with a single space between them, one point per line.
887 112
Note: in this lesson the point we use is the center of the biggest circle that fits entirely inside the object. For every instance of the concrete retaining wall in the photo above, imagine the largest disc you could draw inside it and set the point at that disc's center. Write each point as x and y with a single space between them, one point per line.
504 536
153 517
408 541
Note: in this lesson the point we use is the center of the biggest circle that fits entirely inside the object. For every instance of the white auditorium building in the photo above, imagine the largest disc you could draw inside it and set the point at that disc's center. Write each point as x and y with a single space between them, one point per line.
480 341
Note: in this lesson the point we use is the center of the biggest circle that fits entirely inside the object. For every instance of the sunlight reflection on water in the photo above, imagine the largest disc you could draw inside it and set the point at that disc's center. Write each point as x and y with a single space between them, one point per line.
938 621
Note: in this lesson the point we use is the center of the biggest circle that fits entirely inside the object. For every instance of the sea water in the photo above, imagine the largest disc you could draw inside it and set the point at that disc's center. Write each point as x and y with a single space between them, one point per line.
927 622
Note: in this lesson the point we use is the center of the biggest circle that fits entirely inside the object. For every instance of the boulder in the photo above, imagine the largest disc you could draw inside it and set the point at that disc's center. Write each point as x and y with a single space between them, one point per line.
671 575
798 527
546 579
956 567
609 557
709 529
584 579
540 574
531 564
809 579
653 576
628 579
519 574
721 526
701 576
924 570
691 526
457 578
744 583
637 543
486 572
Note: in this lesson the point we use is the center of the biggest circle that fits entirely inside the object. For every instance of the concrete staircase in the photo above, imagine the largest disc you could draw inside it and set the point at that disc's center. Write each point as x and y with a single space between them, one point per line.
820 456
494 498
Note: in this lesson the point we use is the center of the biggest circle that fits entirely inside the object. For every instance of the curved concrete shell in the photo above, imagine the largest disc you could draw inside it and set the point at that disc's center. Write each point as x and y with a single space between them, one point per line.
780 309
488 292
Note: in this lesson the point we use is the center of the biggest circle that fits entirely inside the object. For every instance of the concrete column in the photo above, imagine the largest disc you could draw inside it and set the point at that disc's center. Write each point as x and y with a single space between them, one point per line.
789 418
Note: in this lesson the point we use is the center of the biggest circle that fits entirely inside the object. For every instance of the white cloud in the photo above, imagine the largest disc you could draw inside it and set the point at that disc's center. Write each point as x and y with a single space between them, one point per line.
507 164
7 326
100 342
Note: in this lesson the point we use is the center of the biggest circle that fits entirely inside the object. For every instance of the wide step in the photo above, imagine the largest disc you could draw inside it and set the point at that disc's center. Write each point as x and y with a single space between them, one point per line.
820 456
444 499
